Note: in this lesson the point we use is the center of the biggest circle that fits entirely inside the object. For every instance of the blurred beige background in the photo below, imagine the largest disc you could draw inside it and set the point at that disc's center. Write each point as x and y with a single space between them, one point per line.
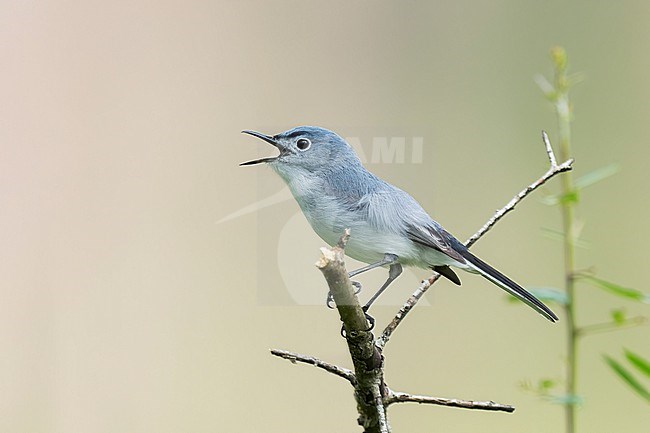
126 306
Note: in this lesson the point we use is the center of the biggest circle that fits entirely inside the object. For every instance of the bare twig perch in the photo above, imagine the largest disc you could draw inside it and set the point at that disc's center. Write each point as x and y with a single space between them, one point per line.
553 170
369 388
371 393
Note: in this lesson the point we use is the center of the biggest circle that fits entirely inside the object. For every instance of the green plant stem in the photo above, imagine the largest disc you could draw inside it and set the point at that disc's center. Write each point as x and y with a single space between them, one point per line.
572 334
563 111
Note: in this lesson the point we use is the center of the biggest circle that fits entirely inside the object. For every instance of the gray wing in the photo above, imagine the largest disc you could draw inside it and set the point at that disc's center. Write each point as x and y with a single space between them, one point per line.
389 209
433 236
421 228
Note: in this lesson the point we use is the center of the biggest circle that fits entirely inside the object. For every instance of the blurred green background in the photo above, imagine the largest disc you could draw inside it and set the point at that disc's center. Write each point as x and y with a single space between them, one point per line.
127 305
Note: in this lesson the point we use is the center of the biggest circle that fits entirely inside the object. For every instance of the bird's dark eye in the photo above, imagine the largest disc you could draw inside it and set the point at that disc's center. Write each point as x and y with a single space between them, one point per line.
303 144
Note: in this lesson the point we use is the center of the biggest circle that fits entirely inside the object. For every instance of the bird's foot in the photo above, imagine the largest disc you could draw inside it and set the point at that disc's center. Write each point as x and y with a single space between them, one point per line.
371 321
371 325
369 318
330 301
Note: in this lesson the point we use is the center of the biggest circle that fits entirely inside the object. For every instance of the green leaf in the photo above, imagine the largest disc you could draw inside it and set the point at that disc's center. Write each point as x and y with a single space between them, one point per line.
550 200
596 175
618 315
546 384
569 197
627 377
568 399
544 294
554 199
549 294
575 78
641 364
617 290
583 181
558 235
546 87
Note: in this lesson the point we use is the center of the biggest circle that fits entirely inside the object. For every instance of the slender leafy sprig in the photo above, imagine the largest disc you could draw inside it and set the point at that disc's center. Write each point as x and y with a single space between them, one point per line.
557 93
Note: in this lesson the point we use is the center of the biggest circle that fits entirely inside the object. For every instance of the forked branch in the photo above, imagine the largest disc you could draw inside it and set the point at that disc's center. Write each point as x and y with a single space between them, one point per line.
553 170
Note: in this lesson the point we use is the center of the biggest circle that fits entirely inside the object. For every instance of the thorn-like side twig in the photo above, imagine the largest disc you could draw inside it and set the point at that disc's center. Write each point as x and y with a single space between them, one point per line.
402 397
553 170
549 149
305 359
392 396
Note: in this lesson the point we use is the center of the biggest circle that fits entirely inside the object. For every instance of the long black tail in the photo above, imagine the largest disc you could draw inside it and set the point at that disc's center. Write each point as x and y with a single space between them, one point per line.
507 284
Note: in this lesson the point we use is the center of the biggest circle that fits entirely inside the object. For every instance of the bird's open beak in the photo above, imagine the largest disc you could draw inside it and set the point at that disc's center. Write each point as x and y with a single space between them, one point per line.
268 140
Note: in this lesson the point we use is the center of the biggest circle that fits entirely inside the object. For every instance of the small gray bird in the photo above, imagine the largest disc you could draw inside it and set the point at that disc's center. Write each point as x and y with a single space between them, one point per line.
388 227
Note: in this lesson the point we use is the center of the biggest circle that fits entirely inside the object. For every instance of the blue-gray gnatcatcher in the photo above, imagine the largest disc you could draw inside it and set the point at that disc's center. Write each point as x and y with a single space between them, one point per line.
388 227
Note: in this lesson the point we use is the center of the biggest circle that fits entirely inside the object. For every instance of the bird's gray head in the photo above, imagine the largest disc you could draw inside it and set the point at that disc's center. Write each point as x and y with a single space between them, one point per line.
306 149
